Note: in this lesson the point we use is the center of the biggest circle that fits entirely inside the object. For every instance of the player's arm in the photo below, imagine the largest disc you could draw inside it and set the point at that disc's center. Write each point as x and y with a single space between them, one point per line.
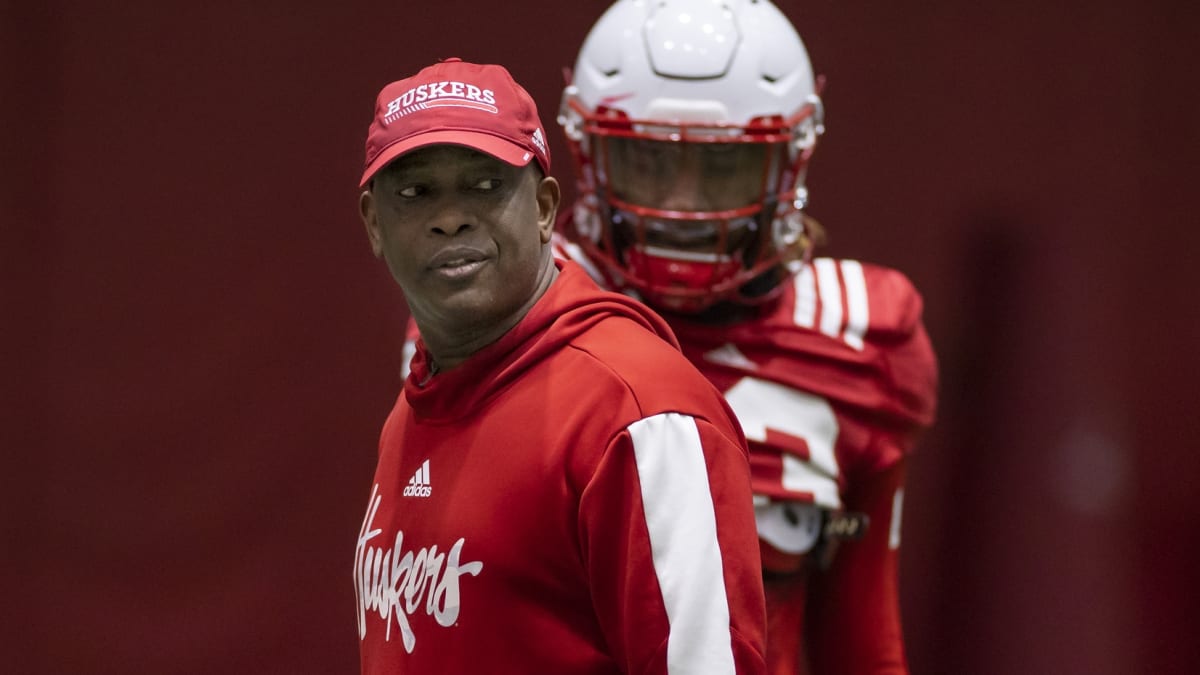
854 607
853 611
668 541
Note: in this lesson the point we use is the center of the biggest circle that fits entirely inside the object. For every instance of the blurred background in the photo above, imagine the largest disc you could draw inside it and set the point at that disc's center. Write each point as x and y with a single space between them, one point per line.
199 349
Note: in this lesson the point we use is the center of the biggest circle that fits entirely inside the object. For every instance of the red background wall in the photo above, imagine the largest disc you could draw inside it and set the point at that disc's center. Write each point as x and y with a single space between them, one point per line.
198 348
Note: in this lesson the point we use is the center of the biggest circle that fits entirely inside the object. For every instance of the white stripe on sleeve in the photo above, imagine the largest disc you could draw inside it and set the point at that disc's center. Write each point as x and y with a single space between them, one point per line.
406 357
683 541
831 296
805 310
857 311
897 510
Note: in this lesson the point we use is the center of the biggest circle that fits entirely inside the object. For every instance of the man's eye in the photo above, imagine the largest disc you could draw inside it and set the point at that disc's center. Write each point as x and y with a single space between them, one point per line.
410 191
488 184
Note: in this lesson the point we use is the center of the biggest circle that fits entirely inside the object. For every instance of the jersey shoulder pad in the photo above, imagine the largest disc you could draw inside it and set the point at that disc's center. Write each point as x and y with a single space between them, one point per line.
853 301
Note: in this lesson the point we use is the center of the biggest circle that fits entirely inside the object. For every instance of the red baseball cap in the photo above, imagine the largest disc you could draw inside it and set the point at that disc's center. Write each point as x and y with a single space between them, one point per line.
460 103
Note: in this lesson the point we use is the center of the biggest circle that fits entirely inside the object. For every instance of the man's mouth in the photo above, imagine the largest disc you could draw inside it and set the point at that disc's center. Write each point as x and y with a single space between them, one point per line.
457 264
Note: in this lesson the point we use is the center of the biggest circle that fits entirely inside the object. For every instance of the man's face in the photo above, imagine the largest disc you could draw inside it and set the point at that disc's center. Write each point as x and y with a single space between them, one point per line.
689 178
463 234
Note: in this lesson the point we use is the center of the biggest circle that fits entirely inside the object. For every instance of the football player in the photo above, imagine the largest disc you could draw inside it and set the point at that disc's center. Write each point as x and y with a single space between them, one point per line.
692 124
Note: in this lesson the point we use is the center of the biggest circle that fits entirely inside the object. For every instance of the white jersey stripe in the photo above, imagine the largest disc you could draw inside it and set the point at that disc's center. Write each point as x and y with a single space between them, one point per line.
857 310
406 357
574 253
801 476
831 296
683 542
805 311
897 513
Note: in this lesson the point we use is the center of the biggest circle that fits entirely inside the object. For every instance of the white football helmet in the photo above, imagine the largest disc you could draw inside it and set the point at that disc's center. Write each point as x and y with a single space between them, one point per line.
691 123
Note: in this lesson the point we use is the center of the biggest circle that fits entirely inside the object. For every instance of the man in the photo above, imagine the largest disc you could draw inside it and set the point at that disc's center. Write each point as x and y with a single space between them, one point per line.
558 490
692 123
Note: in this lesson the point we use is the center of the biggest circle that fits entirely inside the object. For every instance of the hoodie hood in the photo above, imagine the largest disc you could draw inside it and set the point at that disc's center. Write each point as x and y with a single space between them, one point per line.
570 307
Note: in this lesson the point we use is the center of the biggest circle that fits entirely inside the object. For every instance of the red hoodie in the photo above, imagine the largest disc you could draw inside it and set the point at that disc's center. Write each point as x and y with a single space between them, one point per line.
574 498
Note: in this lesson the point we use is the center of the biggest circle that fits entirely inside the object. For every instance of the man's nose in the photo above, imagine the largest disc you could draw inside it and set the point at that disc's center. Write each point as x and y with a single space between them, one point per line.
450 218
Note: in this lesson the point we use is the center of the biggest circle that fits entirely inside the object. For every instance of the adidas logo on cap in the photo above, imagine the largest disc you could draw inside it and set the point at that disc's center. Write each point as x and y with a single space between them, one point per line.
418 485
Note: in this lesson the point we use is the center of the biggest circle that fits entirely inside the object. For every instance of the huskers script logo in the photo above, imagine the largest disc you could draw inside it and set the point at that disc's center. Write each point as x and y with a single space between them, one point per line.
397 583
436 94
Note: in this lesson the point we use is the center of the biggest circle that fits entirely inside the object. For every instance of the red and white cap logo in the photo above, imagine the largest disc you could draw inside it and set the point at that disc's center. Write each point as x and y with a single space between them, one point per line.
458 103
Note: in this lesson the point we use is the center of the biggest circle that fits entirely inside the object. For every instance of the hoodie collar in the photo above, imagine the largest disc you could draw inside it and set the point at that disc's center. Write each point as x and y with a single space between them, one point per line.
571 306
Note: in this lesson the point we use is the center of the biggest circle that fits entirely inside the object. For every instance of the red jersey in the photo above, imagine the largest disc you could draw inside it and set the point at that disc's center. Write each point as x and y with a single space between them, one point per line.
573 498
837 378
832 384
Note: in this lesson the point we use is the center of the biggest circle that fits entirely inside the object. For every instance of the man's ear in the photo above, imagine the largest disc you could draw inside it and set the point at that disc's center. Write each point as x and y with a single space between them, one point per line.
548 196
370 218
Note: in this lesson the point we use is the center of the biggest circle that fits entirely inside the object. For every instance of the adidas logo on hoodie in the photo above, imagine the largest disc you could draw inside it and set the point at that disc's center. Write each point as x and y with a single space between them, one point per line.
418 485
